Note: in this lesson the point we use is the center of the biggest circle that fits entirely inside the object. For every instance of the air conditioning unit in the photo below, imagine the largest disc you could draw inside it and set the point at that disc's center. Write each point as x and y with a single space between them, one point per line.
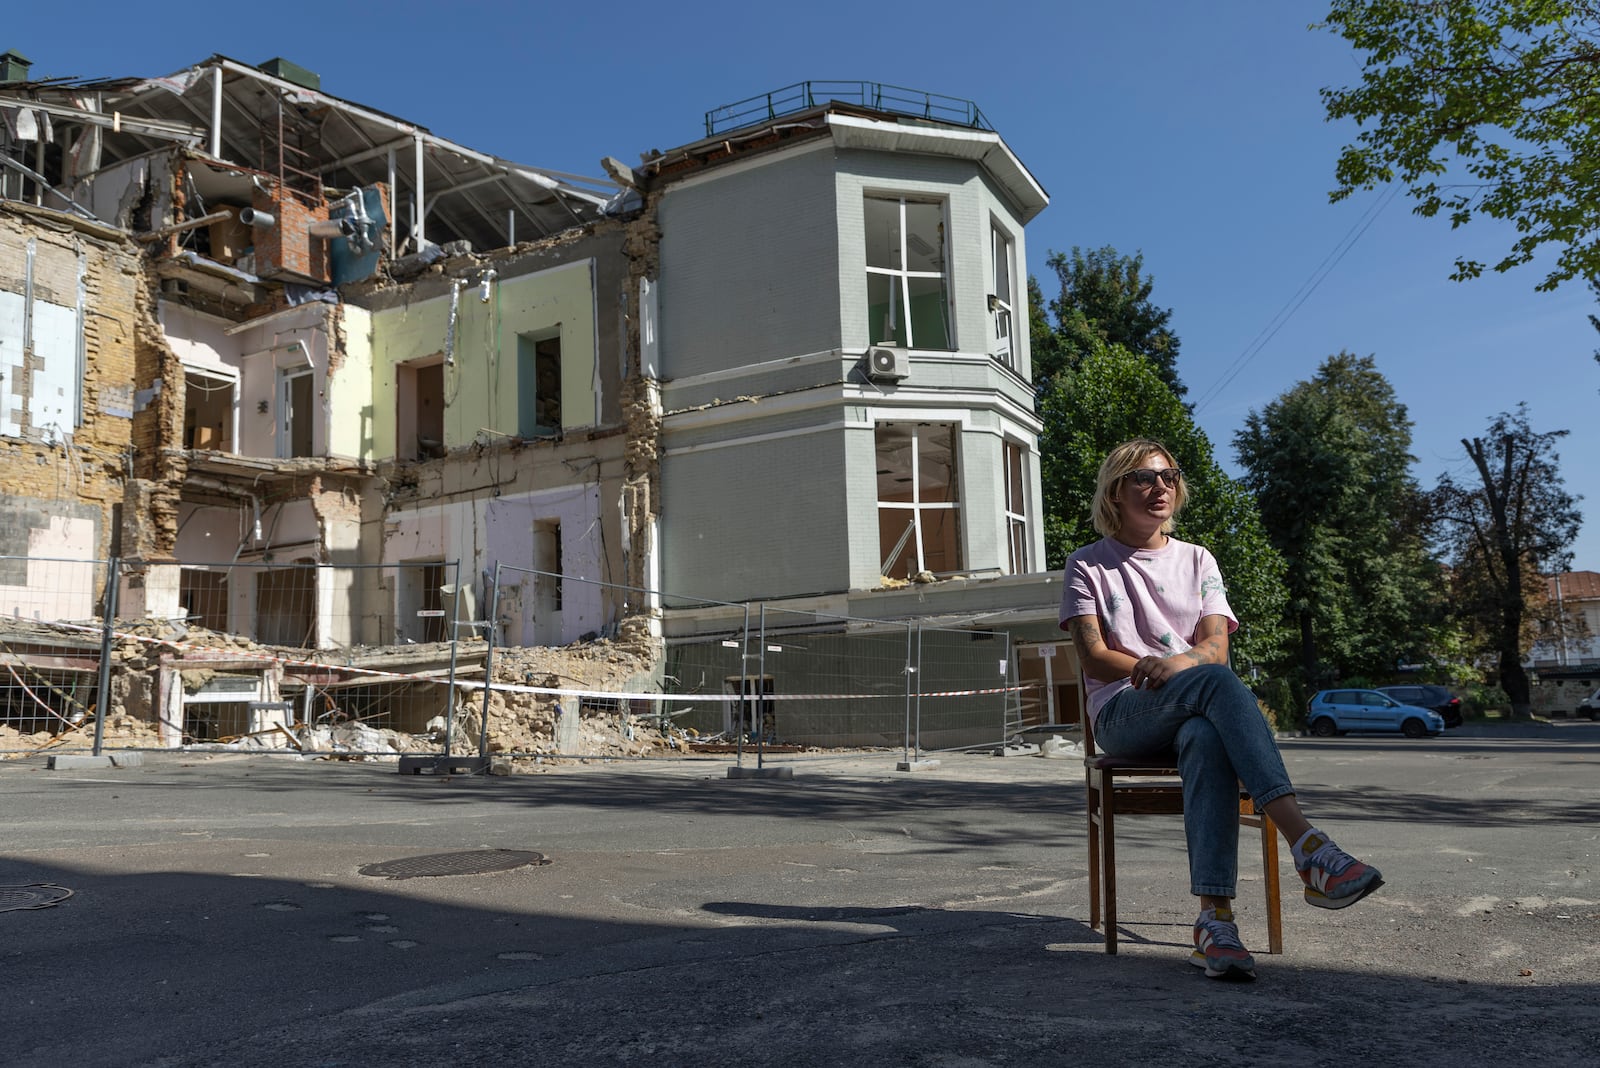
887 365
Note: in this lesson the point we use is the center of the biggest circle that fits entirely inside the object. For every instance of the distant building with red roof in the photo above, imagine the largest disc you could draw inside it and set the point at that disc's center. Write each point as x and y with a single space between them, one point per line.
1576 595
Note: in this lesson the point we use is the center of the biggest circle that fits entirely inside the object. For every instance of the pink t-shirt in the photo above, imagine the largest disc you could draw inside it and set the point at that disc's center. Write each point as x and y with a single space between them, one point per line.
1149 601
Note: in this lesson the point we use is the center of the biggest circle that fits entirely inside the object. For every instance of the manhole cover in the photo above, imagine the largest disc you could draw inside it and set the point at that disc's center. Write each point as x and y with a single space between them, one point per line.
37 896
472 862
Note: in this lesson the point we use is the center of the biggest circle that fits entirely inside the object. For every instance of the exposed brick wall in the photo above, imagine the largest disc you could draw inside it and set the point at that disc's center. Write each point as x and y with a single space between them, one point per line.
92 471
641 410
286 247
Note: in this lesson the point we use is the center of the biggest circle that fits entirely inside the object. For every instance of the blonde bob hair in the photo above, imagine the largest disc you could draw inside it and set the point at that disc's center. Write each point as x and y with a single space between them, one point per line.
1130 456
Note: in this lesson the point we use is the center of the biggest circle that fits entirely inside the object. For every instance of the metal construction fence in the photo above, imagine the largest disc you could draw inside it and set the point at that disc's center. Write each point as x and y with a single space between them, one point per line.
810 679
397 661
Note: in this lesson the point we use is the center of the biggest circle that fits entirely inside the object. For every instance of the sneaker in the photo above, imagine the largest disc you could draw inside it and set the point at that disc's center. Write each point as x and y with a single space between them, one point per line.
1217 948
1333 878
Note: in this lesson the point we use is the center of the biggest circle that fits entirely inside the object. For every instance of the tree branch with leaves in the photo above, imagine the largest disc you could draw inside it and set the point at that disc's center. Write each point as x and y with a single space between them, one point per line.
1480 108
1103 299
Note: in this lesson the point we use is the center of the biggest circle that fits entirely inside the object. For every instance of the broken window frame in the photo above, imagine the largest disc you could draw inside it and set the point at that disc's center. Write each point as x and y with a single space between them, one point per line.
539 411
228 382
220 708
35 698
1014 464
411 438
909 291
1002 299
933 513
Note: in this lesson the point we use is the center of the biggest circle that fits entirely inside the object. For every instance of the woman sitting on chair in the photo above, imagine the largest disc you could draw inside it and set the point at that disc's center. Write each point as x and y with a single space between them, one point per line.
1150 619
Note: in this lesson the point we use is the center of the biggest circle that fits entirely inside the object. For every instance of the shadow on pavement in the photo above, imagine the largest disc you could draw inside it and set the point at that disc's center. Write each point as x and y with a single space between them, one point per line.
177 970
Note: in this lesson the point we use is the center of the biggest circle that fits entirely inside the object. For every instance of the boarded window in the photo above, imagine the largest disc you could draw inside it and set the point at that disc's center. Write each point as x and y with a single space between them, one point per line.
547 583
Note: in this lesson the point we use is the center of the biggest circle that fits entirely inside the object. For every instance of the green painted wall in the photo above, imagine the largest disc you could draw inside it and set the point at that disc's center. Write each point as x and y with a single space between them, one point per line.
350 429
481 389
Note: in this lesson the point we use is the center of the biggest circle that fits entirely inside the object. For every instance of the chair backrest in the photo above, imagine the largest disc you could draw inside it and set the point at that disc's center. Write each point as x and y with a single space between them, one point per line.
1088 725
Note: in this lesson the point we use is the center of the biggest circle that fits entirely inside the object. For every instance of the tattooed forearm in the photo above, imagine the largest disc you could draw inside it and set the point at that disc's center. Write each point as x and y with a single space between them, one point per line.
1097 659
1210 642
1085 631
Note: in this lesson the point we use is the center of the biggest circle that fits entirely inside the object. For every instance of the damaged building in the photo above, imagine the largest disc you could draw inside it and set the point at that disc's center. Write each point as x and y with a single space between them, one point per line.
320 380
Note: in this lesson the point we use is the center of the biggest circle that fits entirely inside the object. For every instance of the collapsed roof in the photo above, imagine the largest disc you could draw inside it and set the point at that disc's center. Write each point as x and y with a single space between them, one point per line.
274 119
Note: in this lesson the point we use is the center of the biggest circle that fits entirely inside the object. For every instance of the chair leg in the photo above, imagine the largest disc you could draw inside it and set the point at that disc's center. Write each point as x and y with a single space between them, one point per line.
1108 864
1092 799
1269 859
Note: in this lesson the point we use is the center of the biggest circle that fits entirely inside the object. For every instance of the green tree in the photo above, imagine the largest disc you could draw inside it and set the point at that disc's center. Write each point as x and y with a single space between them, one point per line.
1044 346
1480 107
1328 461
1112 395
1104 298
1507 525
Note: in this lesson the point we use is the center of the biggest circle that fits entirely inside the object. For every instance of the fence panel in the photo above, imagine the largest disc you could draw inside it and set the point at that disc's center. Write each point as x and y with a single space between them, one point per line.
965 695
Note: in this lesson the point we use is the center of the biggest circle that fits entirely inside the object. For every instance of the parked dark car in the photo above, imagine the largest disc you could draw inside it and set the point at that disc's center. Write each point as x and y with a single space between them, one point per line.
1441 700
1331 712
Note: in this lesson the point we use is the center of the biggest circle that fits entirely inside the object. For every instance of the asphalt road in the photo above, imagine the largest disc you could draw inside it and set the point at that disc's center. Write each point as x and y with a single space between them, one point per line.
851 915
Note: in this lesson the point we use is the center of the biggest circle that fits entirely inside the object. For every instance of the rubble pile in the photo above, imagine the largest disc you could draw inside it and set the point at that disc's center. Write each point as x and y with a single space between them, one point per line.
12 739
537 724
584 724
356 741
121 732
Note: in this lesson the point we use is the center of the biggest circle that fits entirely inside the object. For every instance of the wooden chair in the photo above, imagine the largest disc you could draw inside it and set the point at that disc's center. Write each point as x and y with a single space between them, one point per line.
1119 787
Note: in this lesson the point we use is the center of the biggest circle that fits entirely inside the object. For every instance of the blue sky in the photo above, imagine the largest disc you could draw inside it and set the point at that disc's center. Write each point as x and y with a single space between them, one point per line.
1191 132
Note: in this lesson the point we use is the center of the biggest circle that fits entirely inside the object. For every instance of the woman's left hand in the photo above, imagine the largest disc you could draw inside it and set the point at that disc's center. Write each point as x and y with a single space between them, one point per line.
1152 672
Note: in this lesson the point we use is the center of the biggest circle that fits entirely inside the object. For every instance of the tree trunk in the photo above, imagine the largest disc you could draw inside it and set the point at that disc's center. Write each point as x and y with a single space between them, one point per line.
1514 681
1308 654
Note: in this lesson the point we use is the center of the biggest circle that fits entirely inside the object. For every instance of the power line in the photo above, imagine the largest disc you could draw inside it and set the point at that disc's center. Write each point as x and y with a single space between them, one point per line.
1318 275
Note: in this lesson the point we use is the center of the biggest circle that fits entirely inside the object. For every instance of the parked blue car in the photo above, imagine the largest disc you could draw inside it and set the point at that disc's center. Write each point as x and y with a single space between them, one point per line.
1331 712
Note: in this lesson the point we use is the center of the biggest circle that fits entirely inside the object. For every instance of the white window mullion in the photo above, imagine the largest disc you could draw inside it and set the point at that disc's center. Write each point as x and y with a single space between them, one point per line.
905 311
916 483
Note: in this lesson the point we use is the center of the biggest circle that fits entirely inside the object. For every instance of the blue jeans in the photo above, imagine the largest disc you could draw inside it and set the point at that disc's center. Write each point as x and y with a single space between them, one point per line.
1221 738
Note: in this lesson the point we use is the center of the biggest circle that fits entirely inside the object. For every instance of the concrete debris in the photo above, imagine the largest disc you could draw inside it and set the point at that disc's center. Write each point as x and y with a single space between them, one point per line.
1057 746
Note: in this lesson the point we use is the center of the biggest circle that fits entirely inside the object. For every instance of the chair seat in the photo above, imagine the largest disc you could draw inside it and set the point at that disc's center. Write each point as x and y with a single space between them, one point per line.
1103 762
